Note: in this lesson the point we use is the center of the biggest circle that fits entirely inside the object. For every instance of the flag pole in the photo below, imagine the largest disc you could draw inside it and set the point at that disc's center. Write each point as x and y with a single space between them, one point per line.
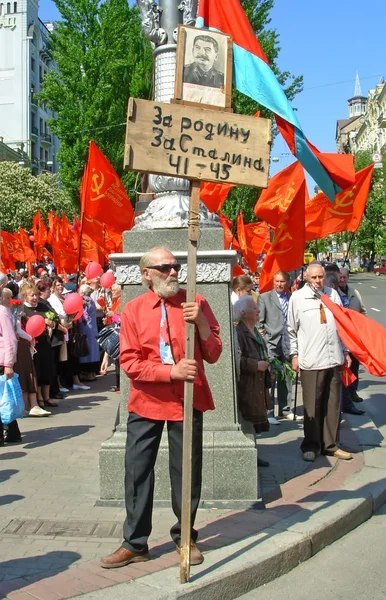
237 216
348 249
82 211
187 434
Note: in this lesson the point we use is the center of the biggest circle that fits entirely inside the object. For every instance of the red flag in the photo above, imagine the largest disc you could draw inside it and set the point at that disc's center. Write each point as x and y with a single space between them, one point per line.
228 235
365 338
54 228
103 195
7 251
94 230
253 240
39 230
324 218
348 377
287 249
237 270
277 197
29 254
65 257
214 195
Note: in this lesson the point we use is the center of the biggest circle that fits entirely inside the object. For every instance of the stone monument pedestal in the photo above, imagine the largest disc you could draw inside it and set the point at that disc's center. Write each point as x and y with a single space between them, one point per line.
229 457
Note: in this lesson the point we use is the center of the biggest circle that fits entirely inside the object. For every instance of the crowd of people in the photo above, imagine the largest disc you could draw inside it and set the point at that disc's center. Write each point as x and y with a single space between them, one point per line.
288 333
280 336
66 356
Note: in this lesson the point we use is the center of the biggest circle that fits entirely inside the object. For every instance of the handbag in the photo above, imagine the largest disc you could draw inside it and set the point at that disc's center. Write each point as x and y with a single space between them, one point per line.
108 340
11 399
77 344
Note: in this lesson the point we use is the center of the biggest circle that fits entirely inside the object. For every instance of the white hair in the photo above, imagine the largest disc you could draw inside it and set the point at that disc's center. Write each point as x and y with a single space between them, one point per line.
314 264
85 289
241 306
3 280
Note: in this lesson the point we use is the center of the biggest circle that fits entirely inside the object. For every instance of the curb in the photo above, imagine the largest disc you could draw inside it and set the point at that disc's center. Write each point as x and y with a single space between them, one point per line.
234 570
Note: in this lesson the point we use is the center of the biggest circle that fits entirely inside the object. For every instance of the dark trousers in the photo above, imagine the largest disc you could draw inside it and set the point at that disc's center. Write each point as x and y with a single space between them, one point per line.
284 395
321 401
347 392
143 440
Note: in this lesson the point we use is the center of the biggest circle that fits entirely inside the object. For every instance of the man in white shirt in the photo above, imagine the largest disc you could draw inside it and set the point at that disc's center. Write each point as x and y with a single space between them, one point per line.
318 354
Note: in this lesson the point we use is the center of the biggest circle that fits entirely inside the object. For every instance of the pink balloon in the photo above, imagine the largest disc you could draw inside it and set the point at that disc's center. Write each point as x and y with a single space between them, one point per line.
107 279
35 325
80 313
93 269
73 303
32 238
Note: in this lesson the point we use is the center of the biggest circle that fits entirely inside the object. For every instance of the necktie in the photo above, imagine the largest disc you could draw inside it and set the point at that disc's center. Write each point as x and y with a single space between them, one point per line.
164 340
283 298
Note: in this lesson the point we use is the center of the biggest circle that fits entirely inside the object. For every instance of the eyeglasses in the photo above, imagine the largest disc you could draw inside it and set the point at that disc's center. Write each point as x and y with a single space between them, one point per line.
166 268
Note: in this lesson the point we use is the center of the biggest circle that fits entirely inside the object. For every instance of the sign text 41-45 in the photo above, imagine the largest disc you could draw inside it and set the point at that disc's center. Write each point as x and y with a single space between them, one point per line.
197 143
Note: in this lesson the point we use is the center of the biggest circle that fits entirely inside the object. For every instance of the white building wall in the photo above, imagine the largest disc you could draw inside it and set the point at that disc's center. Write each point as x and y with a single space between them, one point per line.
23 37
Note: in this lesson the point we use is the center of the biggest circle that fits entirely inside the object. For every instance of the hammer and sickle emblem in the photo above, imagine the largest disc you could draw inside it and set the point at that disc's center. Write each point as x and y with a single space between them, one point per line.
343 200
98 181
283 200
280 236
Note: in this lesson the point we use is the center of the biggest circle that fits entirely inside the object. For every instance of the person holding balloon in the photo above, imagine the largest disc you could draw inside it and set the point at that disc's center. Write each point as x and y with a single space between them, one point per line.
24 365
73 307
37 324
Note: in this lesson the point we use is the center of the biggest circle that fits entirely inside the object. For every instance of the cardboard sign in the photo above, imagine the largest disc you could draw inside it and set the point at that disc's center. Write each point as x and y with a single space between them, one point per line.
197 143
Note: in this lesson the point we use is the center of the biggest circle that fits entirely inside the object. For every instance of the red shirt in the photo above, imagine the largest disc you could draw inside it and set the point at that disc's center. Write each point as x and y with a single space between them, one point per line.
153 394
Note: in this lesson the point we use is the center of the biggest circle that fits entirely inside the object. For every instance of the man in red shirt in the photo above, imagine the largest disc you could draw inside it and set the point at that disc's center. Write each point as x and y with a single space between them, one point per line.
152 341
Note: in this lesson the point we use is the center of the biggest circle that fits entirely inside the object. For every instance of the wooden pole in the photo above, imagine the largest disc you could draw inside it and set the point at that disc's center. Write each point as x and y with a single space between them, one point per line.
186 507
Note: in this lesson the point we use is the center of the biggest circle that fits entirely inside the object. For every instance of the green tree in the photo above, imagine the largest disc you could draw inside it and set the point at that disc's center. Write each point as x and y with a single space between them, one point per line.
102 58
258 13
370 239
22 195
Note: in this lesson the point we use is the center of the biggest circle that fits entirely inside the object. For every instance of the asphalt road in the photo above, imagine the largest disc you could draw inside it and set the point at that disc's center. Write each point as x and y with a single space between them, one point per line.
352 568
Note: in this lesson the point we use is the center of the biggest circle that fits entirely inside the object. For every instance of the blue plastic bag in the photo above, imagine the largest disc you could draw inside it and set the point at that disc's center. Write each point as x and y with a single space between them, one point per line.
11 399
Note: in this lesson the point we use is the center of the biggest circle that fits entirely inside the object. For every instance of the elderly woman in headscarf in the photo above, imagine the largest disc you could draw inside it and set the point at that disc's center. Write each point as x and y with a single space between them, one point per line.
253 368
88 326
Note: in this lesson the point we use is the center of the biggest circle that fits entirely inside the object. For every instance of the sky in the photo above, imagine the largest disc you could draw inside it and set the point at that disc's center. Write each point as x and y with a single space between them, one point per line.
328 42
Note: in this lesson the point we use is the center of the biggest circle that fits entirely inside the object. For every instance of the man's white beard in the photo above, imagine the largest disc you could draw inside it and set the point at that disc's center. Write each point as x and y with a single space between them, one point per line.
164 288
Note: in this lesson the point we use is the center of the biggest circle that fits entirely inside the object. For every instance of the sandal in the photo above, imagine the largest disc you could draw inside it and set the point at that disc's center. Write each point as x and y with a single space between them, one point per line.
51 403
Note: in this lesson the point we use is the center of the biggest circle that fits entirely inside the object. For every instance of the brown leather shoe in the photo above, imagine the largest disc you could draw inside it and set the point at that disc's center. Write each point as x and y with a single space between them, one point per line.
339 453
196 557
121 558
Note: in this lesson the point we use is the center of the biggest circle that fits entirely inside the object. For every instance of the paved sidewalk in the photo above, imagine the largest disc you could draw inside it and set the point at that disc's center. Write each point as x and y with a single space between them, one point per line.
52 534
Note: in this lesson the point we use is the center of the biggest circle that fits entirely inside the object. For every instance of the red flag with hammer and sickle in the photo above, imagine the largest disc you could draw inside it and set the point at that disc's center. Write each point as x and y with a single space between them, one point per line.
324 218
103 195
287 249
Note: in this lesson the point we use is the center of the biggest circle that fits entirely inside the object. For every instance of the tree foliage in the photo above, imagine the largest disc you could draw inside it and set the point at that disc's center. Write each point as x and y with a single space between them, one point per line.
102 58
370 239
258 13
22 195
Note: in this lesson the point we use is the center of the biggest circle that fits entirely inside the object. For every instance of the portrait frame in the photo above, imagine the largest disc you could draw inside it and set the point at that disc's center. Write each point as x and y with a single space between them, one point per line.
191 83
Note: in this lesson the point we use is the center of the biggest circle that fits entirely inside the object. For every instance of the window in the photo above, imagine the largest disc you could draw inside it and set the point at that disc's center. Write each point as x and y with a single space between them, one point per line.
15 7
33 63
1 9
40 73
8 8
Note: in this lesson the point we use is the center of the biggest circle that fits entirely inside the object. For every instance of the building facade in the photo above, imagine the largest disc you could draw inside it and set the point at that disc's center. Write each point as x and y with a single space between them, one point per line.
24 59
365 129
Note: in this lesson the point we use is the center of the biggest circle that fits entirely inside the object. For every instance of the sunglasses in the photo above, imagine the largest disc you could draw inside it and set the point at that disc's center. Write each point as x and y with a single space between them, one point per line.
166 268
